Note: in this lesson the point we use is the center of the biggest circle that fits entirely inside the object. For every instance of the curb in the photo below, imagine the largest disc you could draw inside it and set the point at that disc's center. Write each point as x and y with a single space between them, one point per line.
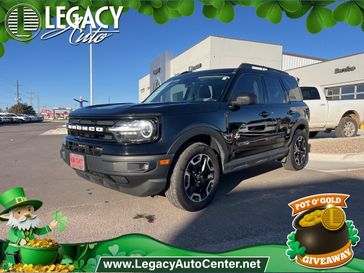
349 157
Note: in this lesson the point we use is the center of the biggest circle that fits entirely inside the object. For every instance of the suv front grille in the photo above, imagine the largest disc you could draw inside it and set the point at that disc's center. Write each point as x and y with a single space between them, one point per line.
91 129
83 148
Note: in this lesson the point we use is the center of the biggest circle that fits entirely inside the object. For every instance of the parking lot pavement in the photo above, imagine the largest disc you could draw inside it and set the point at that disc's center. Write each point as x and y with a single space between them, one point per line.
250 207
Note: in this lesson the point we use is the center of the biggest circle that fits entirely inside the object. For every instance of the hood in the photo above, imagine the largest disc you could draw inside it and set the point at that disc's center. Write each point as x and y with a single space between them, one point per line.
131 109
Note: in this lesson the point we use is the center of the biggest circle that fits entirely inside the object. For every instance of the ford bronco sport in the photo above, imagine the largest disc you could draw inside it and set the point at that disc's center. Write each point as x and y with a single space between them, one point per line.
195 127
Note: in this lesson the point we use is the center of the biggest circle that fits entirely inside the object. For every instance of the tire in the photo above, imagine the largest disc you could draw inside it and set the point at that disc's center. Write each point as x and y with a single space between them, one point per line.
313 134
195 178
348 127
297 157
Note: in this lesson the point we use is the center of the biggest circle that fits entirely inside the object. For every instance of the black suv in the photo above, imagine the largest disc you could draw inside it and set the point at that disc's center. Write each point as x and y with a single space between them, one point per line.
193 128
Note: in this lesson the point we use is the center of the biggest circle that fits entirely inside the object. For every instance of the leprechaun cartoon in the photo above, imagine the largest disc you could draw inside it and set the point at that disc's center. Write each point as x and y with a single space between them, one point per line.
24 223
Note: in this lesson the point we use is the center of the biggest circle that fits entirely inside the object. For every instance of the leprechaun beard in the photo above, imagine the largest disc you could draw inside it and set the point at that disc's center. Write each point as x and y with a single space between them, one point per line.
24 223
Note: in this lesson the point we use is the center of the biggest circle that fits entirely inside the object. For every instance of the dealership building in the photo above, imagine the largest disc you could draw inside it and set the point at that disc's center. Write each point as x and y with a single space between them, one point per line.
342 78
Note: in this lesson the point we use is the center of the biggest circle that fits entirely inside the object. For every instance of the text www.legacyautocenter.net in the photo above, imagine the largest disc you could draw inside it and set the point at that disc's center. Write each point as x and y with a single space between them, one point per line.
182 264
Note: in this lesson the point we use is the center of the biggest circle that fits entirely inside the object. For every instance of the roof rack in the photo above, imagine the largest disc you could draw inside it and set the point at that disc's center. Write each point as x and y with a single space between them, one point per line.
260 67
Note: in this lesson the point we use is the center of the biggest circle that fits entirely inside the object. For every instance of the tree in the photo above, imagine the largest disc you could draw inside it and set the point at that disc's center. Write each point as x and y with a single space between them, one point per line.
21 109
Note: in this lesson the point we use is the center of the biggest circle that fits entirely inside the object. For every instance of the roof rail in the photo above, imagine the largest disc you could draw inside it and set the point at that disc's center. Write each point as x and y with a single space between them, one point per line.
185 72
260 67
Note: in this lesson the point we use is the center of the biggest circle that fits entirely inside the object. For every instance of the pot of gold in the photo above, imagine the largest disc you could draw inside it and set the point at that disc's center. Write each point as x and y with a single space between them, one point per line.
39 252
321 230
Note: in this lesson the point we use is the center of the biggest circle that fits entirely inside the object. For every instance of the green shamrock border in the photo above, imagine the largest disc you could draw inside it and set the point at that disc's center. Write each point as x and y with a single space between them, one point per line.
85 256
319 14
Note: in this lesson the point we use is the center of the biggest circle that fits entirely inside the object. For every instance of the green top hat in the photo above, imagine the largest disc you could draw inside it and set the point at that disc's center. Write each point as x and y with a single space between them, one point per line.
15 197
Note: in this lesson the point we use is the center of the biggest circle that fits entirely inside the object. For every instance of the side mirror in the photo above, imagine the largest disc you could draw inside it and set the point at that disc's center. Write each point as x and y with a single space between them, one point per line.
243 99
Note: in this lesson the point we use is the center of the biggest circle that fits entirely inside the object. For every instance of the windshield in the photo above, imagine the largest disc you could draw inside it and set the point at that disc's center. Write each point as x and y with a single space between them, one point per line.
192 87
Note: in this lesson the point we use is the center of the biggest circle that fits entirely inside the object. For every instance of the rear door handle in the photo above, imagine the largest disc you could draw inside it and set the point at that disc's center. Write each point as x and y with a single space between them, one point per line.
265 114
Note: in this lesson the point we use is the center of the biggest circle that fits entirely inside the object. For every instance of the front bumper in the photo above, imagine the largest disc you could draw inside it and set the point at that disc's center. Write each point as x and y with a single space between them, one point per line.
135 175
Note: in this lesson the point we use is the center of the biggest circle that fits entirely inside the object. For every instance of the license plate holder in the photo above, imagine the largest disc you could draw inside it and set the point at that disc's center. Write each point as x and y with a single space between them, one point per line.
77 162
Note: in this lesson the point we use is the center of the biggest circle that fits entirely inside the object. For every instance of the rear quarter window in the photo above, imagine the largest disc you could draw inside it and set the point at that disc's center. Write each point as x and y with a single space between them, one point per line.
294 92
275 91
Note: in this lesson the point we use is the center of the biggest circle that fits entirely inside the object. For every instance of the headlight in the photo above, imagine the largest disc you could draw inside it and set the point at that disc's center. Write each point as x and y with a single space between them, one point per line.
135 131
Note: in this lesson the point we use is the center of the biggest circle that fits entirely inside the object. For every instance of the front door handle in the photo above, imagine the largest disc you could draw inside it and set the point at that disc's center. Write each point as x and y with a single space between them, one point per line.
265 114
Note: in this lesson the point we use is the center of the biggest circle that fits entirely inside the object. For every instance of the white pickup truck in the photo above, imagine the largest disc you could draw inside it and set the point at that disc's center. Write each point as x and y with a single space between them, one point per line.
343 116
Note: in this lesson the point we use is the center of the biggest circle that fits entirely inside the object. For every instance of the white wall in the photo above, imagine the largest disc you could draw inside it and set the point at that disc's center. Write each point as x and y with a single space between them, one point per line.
229 53
144 87
293 61
219 52
323 74
198 54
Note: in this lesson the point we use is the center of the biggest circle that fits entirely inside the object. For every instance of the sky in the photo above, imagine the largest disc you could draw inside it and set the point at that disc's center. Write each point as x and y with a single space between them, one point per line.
57 72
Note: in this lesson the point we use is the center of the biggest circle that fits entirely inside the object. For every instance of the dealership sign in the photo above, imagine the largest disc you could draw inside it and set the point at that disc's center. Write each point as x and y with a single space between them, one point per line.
346 69
23 22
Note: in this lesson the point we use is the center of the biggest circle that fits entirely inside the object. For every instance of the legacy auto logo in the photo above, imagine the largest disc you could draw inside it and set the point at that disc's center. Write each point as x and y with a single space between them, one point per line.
23 22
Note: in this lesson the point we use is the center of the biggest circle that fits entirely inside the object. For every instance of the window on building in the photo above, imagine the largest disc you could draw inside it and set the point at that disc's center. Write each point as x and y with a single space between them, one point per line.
347 92
360 96
333 93
310 93
360 91
348 89
275 91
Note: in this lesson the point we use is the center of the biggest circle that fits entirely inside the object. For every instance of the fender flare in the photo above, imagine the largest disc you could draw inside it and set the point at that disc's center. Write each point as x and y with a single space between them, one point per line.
297 124
201 129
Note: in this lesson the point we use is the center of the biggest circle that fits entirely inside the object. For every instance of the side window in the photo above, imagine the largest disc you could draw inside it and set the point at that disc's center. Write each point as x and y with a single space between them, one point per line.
249 84
275 91
294 92
310 93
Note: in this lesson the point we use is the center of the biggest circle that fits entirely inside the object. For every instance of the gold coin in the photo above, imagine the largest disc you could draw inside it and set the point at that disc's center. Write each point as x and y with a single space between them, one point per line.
333 218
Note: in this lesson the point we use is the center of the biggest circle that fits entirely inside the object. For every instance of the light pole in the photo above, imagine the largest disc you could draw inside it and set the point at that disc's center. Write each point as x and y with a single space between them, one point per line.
91 82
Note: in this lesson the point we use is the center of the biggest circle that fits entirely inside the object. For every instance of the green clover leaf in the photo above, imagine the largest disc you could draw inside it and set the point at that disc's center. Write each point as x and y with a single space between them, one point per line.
113 249
290 5
186 7
209 11
79 265
294 247
87 3
305 7
2 15
66 260
349 12
271 11
2 50
226 14
173 4
217 4
291 254
61 220
156 3
353 233
146 8
91 264
291 236
319 18
4 36
161 15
